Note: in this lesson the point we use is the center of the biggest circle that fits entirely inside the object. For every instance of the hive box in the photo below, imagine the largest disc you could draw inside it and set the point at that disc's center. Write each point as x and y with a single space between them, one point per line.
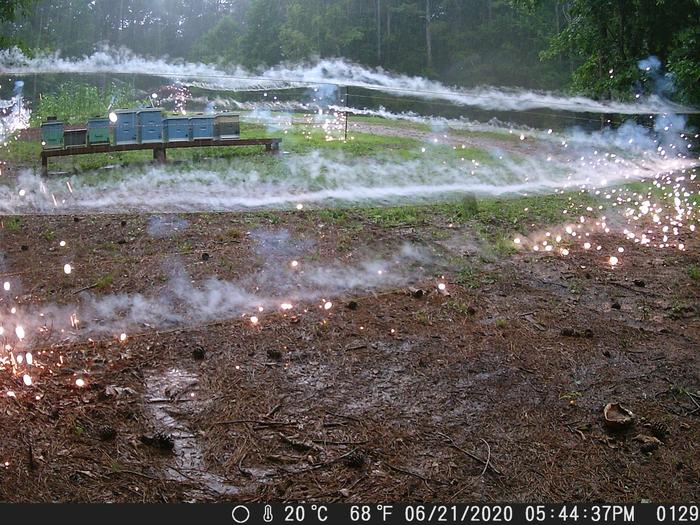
125 129
52 134
202 127
98 131
75 138
150 122
227 126
177 129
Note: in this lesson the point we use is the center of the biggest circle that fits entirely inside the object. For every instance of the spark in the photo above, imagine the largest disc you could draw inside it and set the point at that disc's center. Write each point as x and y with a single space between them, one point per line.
27 380
441 287
6 286
254 319
67 268
80 382
122 337
613 260
328 305
19 332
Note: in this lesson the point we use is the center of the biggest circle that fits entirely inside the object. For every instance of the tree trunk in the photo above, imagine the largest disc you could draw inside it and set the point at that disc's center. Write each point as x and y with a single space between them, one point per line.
428 40
379 31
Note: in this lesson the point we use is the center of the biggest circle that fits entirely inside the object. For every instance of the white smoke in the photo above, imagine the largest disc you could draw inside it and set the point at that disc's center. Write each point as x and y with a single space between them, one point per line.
180 302
330 71
327 180
14 115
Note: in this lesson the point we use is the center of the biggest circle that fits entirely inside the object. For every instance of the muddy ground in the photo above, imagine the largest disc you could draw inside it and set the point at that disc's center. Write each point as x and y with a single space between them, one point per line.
492 392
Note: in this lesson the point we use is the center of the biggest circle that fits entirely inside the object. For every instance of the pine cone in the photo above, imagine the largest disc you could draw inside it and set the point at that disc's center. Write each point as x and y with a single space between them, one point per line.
659 429
355 460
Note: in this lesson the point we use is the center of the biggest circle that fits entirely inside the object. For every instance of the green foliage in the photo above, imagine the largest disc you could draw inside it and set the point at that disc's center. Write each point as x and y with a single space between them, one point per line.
608 39
75 102
10 8
13 224
684 63
694 272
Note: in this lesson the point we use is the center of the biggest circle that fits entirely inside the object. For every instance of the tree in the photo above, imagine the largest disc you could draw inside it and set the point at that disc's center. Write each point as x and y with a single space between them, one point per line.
10 8
608 38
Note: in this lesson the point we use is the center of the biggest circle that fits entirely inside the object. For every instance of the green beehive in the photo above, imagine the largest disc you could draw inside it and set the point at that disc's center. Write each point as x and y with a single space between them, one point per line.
52 134
98 131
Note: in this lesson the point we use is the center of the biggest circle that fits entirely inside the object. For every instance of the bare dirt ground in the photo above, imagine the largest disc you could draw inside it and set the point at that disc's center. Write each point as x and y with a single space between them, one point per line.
494 392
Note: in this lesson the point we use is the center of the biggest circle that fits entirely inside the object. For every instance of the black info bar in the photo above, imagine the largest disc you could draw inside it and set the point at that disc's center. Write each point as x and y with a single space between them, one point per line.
341 514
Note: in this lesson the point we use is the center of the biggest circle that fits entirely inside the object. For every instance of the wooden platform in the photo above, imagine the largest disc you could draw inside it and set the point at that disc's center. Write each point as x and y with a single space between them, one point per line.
159 148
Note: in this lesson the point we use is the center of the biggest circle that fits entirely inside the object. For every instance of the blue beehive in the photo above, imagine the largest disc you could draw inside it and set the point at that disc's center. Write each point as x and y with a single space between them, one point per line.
202 127
125 129
177 129
150 122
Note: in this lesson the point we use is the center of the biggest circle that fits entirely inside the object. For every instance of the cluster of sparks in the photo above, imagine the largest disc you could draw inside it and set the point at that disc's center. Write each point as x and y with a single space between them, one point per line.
16 353
661 215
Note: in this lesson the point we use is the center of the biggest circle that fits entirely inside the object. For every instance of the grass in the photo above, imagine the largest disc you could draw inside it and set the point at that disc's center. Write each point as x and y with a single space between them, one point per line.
460 307
13 224
694 272
398 123
473 277
104 282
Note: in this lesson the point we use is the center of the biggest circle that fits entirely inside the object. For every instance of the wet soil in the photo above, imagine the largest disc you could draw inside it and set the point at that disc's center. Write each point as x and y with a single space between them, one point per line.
494 392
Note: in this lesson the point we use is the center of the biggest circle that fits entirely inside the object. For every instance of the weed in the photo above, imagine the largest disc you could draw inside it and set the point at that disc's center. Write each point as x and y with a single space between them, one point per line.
13 224
422 317
185 248
104 282
460 307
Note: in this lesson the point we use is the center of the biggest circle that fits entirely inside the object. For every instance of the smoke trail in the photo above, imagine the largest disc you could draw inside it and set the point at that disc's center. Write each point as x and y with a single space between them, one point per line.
14 116
328 180
330 71
182 302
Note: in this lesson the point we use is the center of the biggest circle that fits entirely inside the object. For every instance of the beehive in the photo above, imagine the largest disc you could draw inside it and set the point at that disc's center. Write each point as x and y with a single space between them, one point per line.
98 131
126 129
177 129
52 134
75 138
150 122
202 127
227 126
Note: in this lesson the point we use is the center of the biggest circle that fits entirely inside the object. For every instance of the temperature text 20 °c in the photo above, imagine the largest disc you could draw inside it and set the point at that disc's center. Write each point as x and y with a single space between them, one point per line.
297 513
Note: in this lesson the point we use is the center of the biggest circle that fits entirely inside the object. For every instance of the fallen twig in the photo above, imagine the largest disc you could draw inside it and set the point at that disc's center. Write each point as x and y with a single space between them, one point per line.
486 462
256 422
488 458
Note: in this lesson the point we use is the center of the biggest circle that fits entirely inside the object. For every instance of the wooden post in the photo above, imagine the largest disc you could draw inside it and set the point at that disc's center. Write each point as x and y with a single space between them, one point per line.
346 113
44 164
159 154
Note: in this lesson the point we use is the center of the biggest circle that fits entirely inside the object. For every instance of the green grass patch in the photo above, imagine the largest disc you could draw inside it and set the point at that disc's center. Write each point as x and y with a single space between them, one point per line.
104 282
13 224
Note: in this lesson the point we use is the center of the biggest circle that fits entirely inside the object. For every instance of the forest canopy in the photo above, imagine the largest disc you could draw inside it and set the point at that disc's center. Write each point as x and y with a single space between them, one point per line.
586 46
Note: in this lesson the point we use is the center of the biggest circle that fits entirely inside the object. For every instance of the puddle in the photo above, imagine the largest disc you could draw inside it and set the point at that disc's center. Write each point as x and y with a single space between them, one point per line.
171 396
